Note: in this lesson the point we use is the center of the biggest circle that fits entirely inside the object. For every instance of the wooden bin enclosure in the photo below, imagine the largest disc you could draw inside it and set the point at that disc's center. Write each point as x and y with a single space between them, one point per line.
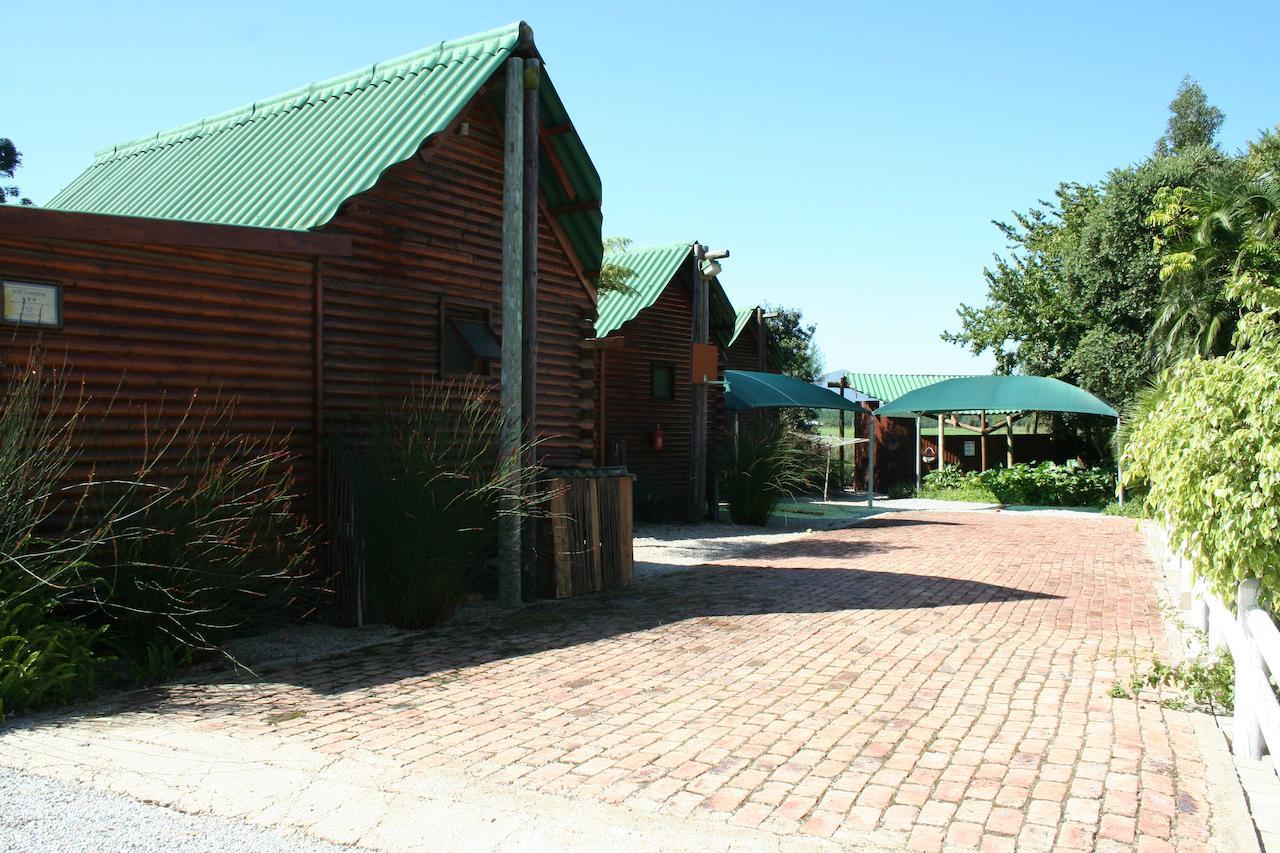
585 542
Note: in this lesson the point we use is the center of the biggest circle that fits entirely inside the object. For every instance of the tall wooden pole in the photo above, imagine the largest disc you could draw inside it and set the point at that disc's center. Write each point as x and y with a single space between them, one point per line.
942 442
512 395
871 460
982 436
760 339
698 416
529 297
918 460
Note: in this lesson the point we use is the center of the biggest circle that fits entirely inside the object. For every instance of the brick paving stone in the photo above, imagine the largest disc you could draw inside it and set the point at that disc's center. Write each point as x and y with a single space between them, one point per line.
934 678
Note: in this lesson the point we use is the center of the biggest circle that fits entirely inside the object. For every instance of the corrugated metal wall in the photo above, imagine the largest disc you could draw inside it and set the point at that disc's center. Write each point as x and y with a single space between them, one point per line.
148 329
430 234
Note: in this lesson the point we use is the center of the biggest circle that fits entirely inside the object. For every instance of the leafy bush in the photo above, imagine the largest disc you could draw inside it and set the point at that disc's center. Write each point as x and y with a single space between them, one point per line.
428 481
766 463
1045 484
1210 452
44 660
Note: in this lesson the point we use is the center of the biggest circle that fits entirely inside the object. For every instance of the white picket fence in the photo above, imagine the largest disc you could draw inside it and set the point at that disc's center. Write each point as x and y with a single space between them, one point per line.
1254 642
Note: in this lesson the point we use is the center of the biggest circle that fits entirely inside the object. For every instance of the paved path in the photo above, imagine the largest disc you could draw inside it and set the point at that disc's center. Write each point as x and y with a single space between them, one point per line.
918 680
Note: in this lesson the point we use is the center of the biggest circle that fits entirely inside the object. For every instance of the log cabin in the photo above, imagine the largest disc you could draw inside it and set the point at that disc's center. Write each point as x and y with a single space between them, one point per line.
316 254
644 349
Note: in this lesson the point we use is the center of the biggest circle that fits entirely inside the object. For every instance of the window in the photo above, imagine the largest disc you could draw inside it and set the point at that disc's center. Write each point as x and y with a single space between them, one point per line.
663 381
467 343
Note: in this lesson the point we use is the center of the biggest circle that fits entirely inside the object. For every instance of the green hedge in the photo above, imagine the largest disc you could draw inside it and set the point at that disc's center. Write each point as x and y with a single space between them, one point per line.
1043 484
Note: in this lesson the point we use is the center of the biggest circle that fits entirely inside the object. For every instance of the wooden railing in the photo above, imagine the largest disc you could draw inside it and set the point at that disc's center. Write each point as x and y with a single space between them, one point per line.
1251 636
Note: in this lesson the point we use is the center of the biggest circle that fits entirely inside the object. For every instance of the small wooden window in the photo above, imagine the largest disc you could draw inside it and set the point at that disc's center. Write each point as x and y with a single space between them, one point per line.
663 381
467 342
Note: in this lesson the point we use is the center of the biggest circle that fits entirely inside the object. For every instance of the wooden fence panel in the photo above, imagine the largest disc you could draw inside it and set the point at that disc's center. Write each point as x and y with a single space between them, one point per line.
586 540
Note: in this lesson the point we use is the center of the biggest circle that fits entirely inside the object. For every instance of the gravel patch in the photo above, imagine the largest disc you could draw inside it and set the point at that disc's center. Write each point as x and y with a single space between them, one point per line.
42 814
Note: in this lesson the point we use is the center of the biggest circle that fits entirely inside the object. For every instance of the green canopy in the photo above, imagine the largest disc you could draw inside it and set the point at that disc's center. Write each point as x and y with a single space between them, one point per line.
993 393
747 389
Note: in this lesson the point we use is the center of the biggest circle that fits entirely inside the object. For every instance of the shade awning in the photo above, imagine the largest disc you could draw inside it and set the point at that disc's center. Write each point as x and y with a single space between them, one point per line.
748 389
992 393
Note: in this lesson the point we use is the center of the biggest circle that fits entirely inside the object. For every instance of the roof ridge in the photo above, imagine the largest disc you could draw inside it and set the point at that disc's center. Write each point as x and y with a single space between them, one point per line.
630 250
427 58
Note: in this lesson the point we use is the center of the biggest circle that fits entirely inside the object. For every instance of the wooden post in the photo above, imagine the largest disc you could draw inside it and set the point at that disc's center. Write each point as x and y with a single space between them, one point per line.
1008 423
942 441
512 394
1246 729
871 459
918 460
982 436
1119 469
529 297
698 414
760 339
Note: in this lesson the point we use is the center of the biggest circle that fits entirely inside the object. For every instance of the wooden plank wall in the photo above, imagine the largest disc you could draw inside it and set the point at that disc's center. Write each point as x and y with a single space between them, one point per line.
430 232
586 540
156 327
661 333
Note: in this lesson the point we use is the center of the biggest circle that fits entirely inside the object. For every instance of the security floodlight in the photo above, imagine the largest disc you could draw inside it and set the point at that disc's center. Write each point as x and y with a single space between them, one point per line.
715 254
710 270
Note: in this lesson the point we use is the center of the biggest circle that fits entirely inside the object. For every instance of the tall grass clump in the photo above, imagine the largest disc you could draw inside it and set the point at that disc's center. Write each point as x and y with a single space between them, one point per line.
766 463
428 482
125 570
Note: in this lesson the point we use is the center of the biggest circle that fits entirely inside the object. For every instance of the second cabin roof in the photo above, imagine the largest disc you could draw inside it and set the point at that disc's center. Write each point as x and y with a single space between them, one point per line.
654 267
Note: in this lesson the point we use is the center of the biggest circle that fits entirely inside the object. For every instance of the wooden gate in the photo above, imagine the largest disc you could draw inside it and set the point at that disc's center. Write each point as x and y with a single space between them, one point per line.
586 540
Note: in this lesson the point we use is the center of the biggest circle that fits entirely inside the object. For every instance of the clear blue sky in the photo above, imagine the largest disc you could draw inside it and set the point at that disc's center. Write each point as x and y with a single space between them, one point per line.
850 155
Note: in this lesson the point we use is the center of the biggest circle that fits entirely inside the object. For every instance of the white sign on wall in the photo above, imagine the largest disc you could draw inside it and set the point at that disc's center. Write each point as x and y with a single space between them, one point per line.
970 448
30 304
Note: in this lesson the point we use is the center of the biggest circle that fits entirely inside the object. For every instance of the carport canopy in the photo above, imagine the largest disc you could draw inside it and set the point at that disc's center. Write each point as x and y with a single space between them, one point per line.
990 394
748 389
997 393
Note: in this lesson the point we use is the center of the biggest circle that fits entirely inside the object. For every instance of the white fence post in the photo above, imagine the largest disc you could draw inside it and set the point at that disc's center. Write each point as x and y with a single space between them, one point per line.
1246 726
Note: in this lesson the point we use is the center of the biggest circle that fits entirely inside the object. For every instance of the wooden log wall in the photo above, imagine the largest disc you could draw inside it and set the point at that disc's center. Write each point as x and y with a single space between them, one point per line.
152 333
659 334
429 234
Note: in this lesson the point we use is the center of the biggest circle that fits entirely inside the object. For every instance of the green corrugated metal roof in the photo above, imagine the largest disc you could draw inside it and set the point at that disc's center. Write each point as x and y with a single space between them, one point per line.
292 160
654 267
890 386
740 321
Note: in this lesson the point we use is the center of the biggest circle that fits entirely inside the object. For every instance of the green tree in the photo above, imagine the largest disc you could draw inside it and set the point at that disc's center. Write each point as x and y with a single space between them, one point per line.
614 277
798 354
1193 121
1077 295
10 160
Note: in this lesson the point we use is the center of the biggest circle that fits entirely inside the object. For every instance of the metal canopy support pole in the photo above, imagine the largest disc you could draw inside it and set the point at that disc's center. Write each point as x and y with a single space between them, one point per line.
529 330
918 454
871 460
509 538
698 415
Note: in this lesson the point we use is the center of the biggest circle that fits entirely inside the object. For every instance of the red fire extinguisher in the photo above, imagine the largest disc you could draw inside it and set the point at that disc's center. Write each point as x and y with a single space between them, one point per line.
657 437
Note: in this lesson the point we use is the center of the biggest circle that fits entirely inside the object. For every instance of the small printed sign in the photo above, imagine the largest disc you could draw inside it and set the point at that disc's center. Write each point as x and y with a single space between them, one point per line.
970 448
29 304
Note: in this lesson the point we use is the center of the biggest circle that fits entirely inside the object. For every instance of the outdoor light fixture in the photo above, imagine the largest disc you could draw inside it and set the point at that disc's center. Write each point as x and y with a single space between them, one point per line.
715 255
711 269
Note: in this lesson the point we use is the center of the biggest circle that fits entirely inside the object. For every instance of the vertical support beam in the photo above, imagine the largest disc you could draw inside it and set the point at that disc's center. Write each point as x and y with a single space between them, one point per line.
871 460
1246 729
942 441
982 436
919 462
844 383
698 414
760 332
512 399
529 296
1008 424
1119 469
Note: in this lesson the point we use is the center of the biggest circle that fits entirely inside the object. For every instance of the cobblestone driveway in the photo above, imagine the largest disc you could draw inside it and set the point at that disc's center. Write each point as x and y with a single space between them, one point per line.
918 680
